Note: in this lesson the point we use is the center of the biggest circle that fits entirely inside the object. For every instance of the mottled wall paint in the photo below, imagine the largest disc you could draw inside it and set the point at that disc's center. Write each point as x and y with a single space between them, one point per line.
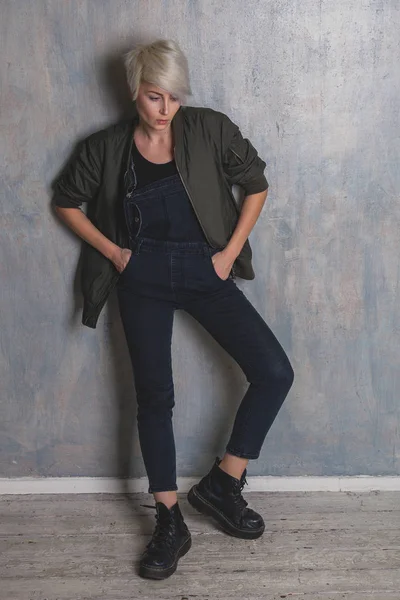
316 87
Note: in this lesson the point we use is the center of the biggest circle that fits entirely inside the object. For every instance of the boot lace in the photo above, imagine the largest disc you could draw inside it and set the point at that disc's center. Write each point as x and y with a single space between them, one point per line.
237 497
163 535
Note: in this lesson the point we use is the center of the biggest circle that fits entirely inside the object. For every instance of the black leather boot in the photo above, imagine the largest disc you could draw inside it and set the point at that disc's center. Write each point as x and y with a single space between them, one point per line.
171 539
218 495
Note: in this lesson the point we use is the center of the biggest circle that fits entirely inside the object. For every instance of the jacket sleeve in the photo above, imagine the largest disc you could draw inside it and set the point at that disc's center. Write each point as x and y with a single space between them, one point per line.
81 178
241 163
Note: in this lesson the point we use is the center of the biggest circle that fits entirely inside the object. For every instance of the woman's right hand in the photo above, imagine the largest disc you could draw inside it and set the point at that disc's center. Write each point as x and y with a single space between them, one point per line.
121 258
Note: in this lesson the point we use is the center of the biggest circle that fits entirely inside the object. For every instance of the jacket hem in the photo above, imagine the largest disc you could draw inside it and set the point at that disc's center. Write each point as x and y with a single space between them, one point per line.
92 312
90 321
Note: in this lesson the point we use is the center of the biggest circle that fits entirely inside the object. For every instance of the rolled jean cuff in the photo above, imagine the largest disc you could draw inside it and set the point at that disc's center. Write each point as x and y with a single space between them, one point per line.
242 454
167 488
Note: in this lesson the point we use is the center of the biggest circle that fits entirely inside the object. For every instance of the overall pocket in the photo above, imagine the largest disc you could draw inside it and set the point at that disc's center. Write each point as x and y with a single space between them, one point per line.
212 252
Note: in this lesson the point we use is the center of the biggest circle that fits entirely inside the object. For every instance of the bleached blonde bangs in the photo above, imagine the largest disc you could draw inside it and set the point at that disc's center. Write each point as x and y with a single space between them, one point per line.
161 63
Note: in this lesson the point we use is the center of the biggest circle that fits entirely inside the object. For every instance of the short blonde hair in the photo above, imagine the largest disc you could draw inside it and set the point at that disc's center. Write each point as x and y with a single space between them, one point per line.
161 63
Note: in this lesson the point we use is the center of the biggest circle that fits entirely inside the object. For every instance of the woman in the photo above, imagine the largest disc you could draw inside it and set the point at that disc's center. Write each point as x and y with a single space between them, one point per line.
164 228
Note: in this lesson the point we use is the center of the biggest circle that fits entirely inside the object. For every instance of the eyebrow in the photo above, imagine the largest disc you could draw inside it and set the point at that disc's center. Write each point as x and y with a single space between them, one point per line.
158 93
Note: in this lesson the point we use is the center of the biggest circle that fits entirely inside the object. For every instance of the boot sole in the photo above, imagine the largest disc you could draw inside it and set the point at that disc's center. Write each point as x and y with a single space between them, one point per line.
159 572
206 508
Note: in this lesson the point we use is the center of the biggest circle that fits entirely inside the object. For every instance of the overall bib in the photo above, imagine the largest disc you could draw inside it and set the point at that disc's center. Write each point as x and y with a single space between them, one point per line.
171 268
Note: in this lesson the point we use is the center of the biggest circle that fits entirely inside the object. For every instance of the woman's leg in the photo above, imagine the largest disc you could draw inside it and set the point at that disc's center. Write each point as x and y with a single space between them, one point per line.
167 498
233 465
148 325
237 326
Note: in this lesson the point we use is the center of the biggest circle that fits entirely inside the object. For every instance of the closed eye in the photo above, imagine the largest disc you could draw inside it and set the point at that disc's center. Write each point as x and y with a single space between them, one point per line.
157 98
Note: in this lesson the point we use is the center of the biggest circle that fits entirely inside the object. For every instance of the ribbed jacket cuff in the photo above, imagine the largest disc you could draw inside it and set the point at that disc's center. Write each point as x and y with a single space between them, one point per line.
256 186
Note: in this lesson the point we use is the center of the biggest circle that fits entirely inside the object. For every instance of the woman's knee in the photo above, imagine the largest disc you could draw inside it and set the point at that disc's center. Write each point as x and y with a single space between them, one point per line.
284 374
277 373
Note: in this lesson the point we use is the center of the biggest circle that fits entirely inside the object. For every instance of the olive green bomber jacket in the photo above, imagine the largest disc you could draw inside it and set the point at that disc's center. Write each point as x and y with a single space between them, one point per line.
210 154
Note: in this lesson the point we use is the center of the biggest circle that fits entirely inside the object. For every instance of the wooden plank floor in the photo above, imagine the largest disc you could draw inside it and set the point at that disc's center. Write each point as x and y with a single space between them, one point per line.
317 546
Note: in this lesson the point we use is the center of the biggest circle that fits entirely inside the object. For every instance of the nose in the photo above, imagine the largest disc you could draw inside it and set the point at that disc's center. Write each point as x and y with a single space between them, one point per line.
164 108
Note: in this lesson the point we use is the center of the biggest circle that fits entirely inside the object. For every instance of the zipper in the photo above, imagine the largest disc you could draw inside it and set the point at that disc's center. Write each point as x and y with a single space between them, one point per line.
240 159
128 164
241 162
132 168
128 194
191 201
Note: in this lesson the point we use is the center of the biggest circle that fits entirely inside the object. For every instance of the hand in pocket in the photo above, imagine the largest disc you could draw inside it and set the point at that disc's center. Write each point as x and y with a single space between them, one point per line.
121 259
222 264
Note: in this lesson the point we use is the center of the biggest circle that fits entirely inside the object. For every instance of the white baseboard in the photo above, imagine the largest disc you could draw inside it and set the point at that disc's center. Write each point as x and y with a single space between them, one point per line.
111 485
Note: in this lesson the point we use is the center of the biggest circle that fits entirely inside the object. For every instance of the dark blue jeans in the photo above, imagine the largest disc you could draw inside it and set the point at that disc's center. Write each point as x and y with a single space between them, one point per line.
160 277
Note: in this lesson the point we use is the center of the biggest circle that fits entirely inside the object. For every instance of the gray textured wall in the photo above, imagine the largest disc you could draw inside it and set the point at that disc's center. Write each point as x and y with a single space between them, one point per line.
316 87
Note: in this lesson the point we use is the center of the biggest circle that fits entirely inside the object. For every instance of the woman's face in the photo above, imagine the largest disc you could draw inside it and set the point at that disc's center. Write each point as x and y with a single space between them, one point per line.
156 106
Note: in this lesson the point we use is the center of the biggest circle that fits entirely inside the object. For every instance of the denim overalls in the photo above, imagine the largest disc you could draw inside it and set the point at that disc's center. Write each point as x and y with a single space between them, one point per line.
171 268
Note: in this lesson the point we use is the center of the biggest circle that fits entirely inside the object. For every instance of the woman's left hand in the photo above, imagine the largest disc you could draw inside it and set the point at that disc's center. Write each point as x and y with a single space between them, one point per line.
222 264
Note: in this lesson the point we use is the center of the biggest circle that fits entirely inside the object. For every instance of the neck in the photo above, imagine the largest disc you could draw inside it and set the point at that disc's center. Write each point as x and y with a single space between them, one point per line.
151 135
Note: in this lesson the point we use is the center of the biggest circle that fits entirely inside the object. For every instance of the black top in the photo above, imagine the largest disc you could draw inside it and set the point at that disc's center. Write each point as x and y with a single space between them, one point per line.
147 172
